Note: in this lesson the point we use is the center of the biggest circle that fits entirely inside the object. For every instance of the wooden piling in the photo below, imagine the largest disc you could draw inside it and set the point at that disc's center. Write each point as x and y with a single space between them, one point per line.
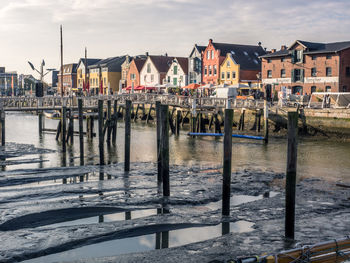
64 128
227 162
115 119
71 127
100 131
266 122
40 117
81 132
149 113
127 135
2 124
109 121
291 174
164 148
177 123
159 175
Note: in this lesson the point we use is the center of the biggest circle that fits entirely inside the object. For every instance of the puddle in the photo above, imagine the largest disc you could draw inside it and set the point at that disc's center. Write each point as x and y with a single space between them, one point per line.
120 216
166 239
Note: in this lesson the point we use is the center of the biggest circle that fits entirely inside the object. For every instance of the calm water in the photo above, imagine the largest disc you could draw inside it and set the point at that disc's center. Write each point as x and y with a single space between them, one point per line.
323 159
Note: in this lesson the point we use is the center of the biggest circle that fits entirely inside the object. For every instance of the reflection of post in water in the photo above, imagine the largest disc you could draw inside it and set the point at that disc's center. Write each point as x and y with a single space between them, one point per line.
162 238
100 219
41 157
70 155
127 215
225 228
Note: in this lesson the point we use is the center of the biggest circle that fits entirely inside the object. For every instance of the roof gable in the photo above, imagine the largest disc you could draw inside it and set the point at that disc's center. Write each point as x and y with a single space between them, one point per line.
161 63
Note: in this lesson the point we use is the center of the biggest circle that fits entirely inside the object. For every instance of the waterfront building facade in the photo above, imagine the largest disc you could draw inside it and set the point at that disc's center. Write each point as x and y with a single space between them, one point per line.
81 71
8 83
195 65
307 67
247 56
133 75
69 78
126 68
154 70
177 74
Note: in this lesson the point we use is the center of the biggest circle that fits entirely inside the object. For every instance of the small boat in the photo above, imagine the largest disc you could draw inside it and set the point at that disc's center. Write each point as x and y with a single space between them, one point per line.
51 114
325 252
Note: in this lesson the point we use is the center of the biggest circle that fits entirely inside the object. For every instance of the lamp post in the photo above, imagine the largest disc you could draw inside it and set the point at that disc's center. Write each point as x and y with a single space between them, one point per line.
41 72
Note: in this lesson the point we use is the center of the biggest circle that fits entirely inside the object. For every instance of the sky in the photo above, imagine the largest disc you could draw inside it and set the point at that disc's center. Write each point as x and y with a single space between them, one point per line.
29 29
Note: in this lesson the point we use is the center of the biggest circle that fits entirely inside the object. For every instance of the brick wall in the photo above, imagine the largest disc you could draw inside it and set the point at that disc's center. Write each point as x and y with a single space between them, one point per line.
206 62
344 63
133 70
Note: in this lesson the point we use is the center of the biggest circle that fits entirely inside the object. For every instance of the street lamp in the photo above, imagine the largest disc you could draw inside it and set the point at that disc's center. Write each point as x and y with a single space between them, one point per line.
41 72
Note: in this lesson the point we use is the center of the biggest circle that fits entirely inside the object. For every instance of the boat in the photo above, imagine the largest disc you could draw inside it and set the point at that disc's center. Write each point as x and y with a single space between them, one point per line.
325 252
51 114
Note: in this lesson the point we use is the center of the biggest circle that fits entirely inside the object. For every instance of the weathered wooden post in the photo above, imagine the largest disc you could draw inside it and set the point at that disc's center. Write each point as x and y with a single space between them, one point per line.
64 127
2 124
177 123
164 148
100 131
266 122
227 162
127 135
115 119
193 116
40 116
291 173
109 121
159 176
71 126
81 132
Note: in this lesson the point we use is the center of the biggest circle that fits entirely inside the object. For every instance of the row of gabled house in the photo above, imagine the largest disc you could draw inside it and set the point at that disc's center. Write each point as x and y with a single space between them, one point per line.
304 67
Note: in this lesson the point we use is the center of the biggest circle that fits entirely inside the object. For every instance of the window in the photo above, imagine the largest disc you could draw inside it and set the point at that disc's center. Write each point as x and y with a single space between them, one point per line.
255 61
191 64
174 81
328 71
297 75
104 82
314 57
313 72
205 71
175 70
210 71
149 68
313 89
168 79
215 70
197 65
256 54
245 53
344 88
299 57
268 60
181 78
348 71
283 73
228 64
208 54
152 77
212 54
269 73
222 75
228 75
233 74
329 56
328 88
282 59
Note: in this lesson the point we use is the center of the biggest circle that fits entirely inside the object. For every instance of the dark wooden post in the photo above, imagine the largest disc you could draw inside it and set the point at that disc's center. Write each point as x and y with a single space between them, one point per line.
227 162
40 116
81 134
71 126
64 128
291 173
177 123
164 148
159 177
109 121
127 135
2 123
115 119
266 122
100 131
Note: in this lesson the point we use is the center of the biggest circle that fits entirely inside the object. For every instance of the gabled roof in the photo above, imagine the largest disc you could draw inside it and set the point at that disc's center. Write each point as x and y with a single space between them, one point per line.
89 61
162 63
247 56
113 63
183 63
139 62
199 48
312 48
69 68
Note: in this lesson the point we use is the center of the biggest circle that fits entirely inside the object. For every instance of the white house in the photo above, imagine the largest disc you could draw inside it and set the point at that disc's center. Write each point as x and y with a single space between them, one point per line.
154 70
177 74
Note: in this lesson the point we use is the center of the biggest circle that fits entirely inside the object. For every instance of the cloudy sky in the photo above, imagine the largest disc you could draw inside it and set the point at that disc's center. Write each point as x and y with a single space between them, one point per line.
29 29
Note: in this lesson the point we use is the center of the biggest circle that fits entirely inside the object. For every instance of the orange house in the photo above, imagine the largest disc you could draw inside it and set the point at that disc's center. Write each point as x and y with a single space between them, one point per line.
133 76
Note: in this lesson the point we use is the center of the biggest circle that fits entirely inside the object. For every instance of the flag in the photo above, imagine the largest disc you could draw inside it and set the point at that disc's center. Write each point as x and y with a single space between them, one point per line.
101 87
88 86
84 85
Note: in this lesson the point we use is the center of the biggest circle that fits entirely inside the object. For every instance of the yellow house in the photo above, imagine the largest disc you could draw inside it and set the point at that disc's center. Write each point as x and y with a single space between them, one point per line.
229 71
109 72
81 70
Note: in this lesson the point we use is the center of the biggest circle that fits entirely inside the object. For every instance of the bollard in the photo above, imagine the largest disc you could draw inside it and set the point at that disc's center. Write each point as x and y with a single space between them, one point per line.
2 123
81 132
127 135
64 128
164 148
266 122
159 176
115 118
227 162
100 131
291 174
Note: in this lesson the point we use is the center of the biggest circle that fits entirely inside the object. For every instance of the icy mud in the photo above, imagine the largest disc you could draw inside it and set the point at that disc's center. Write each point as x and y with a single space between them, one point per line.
101 214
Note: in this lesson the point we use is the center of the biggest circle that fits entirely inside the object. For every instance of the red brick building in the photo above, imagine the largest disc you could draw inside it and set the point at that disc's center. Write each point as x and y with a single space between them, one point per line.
244 55
133 75
69 78
306 67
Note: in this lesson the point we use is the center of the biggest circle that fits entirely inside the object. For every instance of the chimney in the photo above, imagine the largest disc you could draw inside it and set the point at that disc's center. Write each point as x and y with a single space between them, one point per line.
166 54
259 44
147 54
210 41
283 47
273 50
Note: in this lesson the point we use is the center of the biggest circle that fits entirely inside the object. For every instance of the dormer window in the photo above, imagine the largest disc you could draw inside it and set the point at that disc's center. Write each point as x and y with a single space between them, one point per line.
228 64
297 56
